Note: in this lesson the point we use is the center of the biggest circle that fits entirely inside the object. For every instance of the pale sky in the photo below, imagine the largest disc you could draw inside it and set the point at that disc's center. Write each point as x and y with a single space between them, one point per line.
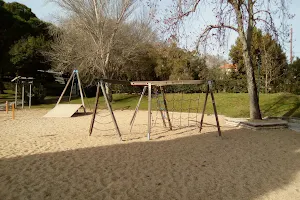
48 11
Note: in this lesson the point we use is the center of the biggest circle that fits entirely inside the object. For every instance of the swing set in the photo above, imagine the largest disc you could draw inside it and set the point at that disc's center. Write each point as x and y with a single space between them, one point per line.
158 91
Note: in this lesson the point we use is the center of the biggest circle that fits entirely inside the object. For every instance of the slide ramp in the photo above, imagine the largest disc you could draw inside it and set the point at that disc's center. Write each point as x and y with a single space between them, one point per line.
63 110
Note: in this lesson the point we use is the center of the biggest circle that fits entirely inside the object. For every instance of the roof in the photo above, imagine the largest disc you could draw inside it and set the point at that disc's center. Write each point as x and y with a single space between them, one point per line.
229 66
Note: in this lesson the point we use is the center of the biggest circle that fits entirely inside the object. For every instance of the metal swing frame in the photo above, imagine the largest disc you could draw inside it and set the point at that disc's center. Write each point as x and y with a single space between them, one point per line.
148 85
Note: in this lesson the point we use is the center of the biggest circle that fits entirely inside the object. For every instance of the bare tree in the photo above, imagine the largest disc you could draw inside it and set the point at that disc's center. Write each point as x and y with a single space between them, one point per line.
240 16
87 35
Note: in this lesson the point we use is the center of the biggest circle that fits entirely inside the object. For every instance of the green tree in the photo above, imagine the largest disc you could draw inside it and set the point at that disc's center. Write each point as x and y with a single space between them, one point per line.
175 63
19 10
16 22
240 16
293 78
198 68
267 54
171 62
26 55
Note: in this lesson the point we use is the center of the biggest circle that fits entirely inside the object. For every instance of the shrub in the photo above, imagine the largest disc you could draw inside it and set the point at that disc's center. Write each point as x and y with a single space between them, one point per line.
38 94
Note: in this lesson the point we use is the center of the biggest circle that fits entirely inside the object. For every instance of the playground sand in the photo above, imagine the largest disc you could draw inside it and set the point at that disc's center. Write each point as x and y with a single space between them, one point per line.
52 158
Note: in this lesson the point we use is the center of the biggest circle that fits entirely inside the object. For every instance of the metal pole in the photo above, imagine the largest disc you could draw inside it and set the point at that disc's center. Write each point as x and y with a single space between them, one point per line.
30 95
110 110
149 110
16 94
23 91
181 102
189 110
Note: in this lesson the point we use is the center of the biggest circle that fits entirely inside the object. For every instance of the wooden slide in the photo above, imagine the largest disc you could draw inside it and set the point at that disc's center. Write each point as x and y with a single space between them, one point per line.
64 110
68 110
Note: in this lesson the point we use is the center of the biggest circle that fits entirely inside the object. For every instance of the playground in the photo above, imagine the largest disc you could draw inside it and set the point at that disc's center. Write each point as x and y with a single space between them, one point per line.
104 152
54 158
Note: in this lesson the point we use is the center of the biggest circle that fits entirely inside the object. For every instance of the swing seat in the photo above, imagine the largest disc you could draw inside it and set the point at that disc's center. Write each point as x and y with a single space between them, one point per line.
64 110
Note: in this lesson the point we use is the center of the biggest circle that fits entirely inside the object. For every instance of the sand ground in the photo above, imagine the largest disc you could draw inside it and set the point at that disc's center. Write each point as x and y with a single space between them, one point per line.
51 158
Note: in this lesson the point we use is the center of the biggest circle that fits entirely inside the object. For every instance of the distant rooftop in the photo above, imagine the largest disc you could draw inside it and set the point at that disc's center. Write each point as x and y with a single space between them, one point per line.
229 66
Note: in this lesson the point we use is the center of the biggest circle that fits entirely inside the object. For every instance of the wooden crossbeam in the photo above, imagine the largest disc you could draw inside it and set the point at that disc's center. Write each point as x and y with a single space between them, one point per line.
116 81
154 83
163 83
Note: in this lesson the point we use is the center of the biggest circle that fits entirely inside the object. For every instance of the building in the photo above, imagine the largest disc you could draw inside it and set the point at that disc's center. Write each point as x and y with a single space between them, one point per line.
228 68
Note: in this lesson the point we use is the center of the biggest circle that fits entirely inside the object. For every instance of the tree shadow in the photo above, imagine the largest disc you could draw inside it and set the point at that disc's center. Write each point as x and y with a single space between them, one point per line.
126 98
243 164
295 111
285 106
80 114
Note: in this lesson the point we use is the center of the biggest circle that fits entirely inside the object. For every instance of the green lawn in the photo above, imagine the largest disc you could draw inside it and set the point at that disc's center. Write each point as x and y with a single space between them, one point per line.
8 96
229 104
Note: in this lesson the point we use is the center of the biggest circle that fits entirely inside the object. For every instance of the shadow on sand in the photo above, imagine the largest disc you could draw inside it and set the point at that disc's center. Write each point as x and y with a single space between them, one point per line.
241 165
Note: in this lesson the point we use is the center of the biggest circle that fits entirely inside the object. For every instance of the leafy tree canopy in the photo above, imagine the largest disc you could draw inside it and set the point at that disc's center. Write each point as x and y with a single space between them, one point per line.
17 23
267 54
22 36
178 64
26 55
19 11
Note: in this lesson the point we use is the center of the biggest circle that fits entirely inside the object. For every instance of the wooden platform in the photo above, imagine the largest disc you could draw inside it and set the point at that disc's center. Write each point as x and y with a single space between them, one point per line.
64 110
265 124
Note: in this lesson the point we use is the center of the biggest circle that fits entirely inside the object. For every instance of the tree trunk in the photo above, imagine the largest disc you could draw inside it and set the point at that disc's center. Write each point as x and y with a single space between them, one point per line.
252 89
246 40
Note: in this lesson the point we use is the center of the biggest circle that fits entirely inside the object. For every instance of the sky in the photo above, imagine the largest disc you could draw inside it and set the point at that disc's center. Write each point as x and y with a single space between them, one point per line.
48 11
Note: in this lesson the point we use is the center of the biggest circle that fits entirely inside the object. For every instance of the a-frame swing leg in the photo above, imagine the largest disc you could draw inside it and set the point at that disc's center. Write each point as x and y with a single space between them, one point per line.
110 109
209 90
215 108
62 94
73 79
137 108
149 109
204 107
166 107
80 90
159 107
138 105
95 109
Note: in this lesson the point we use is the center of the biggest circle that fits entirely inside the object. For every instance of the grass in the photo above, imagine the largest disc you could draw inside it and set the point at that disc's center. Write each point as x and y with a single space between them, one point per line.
8 95
229 104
